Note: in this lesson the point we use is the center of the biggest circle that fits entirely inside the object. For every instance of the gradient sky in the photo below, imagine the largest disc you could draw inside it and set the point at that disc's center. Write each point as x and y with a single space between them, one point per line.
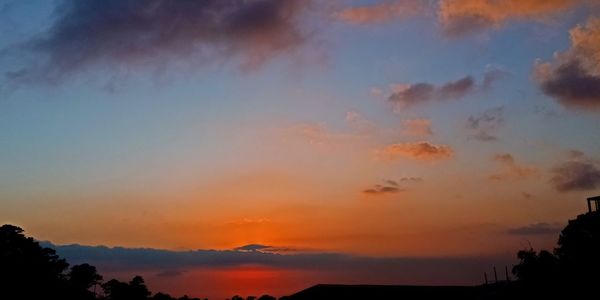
380 129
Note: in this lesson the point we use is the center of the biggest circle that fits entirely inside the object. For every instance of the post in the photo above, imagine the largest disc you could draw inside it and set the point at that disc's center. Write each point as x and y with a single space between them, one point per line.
495 275
485 277
507 277
589 205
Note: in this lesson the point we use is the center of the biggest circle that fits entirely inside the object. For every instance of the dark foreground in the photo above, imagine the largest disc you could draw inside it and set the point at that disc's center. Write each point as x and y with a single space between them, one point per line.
335 291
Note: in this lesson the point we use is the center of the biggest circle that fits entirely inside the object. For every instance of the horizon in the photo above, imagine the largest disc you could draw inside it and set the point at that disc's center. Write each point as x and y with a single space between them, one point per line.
252 143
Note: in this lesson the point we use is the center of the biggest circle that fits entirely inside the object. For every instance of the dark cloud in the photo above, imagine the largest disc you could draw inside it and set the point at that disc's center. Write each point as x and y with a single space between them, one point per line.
457 89
132 33
391 186
382 190
573 78
411 94
576 175
483 126
572 85
537 229
252 247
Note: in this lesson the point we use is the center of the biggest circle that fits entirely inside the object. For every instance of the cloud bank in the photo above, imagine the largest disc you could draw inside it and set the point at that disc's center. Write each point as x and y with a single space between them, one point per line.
433 270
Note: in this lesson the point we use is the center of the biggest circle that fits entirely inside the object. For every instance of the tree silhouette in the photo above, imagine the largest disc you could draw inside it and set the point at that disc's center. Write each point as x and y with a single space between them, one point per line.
574 268
27 270
579 250
81 279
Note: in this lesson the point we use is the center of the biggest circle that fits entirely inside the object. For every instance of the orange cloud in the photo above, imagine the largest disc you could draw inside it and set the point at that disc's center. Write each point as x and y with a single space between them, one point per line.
417 151
381 12
511 170
460 17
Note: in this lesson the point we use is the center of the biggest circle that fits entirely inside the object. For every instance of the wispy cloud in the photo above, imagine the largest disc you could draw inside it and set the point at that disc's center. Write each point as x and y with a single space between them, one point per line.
509 169
417 127
388 187
423 151
483 126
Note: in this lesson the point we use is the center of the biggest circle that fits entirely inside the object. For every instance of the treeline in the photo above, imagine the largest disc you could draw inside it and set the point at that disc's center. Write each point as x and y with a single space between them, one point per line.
29 271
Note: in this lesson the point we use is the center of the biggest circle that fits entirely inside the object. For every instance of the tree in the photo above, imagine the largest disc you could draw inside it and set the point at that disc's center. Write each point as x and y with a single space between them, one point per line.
27 270
536 268
579 250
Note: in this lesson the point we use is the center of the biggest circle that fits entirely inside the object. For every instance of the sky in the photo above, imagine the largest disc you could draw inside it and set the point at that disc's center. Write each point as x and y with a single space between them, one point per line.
401 139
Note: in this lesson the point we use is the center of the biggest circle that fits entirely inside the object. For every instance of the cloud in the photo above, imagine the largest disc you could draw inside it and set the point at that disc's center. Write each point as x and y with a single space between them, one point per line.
129 33
156 261
388 187
407 95
423 151
576 176
511 170
381 12
417 127
252 248
537 229
573 78
464 17
483 126
423 92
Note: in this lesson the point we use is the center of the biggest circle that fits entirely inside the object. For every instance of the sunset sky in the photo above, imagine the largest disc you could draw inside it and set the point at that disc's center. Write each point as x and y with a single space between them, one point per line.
434 134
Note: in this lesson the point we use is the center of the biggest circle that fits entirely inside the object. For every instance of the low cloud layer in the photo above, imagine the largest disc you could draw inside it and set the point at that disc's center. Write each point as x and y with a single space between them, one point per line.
423 151
573 77
131 33
537 229
464 270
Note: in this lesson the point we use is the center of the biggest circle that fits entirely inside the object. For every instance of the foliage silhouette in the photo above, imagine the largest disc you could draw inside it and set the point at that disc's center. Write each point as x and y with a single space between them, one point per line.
29 271
574 268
